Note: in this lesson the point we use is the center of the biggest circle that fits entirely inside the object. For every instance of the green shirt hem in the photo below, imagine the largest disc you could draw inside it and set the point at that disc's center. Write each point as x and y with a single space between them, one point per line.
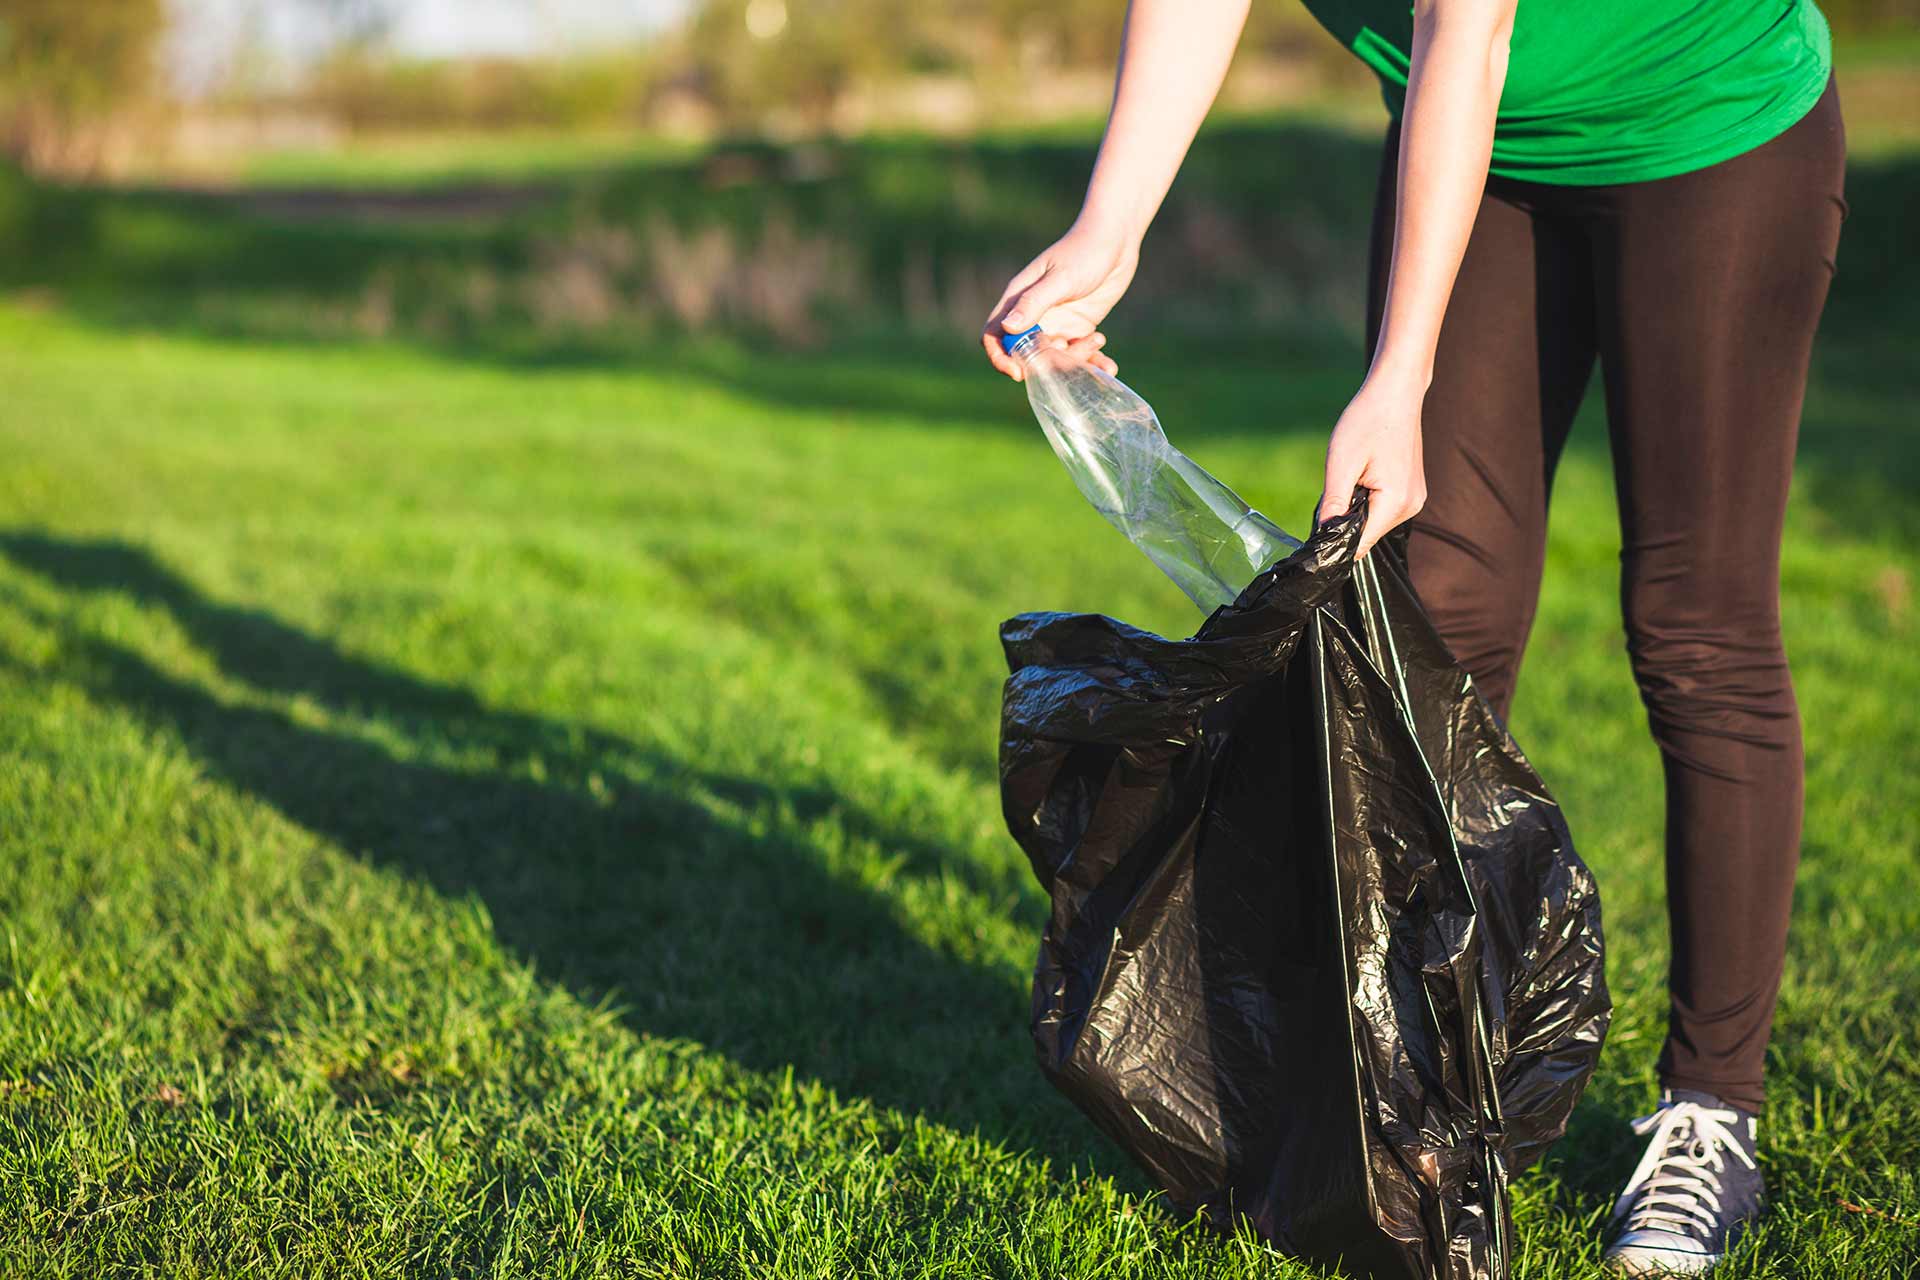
1761 132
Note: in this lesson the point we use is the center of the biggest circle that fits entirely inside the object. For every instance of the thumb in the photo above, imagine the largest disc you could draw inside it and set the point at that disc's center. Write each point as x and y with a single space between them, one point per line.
1381 519
1336 498
1035 301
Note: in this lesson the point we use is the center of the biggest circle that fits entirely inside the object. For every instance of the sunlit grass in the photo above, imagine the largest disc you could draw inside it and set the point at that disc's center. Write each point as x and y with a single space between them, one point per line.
518 798
468 820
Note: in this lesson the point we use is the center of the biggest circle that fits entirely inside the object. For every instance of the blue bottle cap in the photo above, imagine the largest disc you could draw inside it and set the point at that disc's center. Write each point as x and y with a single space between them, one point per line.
1008 341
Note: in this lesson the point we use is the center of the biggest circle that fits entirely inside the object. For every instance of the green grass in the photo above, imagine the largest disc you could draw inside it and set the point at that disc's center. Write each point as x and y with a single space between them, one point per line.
481 806
434 158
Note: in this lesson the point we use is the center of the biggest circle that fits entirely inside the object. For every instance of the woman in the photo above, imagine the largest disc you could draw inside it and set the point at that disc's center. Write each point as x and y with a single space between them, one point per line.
1652 185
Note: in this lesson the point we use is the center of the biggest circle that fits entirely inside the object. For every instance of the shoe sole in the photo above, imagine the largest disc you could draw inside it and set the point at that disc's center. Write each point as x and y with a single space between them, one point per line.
1659 1262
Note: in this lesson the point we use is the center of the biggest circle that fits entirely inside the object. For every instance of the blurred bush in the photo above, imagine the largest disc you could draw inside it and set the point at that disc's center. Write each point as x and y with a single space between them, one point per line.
368 93
862 240
783 243
786 241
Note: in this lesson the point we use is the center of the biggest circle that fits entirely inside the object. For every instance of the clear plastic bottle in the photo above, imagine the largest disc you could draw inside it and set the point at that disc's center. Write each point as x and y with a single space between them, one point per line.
1196 529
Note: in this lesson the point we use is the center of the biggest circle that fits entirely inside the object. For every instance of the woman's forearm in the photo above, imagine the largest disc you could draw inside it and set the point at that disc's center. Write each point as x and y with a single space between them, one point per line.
1459 65
1172 60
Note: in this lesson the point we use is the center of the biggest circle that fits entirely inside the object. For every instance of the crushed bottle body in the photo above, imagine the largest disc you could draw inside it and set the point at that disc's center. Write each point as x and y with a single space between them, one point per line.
1199 532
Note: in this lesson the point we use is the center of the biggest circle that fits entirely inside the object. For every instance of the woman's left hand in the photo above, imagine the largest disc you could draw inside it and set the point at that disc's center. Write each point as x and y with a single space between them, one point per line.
1377 444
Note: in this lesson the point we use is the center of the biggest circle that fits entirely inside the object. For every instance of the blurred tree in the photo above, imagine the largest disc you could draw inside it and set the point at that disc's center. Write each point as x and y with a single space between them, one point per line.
752 58
68 68
357 25
1873 17
1073 33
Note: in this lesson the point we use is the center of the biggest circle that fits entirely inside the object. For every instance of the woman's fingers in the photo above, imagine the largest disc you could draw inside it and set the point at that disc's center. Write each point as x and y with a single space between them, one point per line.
1384 511
997 355
1336 494
1387 510
1086 348
996 326
1067 289
1033 302
1089 350
1386 507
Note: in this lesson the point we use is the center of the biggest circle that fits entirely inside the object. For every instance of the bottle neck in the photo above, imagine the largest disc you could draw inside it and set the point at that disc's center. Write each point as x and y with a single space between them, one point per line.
1028 347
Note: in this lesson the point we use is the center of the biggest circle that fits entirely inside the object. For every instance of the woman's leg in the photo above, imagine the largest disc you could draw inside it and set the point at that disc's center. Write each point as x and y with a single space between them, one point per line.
1710 287
1515 355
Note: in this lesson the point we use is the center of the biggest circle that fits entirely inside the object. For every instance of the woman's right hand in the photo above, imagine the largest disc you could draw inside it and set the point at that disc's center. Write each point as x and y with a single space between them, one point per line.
1067 291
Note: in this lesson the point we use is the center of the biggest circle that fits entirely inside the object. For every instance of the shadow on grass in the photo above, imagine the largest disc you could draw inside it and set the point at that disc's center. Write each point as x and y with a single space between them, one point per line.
623 872
693 897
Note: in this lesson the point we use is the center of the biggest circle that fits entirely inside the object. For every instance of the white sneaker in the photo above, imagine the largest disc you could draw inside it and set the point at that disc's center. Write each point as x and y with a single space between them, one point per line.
1695 1190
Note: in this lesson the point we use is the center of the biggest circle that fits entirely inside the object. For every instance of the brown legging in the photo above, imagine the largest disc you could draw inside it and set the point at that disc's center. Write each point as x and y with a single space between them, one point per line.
1699 294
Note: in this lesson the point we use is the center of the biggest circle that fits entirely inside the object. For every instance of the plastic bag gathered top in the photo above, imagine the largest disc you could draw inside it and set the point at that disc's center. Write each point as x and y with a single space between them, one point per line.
1321 955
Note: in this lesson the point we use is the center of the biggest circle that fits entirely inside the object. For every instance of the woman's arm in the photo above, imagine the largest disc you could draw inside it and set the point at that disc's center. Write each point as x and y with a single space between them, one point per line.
1172 59
1459 66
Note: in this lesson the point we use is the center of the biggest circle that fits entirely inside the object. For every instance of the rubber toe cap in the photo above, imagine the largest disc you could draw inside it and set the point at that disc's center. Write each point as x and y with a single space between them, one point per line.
1657 1253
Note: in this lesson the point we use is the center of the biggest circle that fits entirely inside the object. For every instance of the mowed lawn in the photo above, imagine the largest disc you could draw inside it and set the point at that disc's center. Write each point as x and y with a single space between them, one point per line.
463 816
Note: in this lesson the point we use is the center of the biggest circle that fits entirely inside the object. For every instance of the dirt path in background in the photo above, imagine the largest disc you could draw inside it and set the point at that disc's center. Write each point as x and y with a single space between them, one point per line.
455 203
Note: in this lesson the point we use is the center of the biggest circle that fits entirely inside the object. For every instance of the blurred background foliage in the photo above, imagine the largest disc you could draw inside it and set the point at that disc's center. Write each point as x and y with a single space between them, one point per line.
81 86
69 69
768 169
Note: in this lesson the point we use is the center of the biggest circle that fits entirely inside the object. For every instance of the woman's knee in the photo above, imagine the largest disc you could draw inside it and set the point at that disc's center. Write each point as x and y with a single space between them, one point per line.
1708 657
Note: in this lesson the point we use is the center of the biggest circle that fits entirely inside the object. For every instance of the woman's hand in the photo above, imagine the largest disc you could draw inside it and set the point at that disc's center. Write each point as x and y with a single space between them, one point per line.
1377 444
1067 291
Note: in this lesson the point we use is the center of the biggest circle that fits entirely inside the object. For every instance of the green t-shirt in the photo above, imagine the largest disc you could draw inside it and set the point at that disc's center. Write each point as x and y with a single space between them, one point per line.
1623 90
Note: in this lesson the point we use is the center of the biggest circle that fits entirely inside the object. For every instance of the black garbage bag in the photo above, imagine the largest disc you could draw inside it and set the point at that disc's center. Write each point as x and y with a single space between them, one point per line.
1321 954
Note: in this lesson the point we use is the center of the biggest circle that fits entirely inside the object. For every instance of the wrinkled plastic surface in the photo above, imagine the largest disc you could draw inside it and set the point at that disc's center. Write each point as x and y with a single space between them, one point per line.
1321 953
1195 528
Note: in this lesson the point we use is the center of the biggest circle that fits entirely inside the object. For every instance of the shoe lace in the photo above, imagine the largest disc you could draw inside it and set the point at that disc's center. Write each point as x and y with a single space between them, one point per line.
1677 1184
